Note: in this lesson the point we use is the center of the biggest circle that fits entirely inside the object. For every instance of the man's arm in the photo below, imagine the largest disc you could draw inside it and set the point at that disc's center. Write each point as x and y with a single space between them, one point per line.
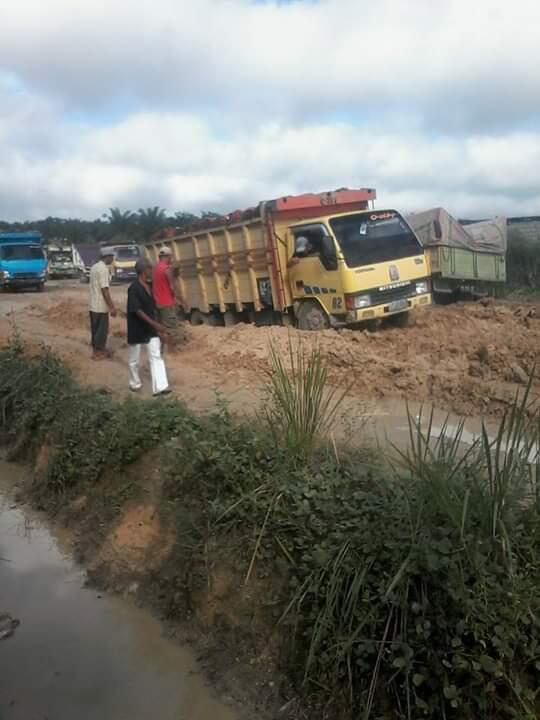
174 287
158 327
108 299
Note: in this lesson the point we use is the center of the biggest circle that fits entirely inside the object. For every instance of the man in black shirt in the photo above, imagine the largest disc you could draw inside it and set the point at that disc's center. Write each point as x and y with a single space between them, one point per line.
143 329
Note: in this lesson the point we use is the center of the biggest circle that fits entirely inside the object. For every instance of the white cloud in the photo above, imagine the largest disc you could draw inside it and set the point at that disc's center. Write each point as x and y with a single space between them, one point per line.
180 162
452 62
217 104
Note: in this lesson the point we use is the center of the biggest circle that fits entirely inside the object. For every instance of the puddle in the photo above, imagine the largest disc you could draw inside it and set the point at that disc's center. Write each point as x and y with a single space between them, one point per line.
390 424
77 654
387 423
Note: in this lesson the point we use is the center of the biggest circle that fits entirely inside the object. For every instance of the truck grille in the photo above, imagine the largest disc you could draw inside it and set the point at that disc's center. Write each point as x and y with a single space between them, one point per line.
382 297
25 276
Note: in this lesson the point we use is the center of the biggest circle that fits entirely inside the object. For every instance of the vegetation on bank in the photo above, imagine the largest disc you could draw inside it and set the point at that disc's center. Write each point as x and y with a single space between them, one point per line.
410 591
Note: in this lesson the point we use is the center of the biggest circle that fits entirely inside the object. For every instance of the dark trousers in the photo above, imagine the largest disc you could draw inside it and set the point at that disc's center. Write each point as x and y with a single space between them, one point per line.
99 328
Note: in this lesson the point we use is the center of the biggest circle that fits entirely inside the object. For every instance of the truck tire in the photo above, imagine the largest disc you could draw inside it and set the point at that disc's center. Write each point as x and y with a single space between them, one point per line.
214 319
196 318
231 318
445 298
40 287
401 320
311 316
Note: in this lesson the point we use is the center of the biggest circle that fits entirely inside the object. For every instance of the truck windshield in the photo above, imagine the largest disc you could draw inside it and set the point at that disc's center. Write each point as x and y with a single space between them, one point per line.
368 238
61 257
127 253
21 252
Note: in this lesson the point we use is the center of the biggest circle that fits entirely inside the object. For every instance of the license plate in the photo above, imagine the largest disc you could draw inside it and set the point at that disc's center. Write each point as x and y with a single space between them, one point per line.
398 305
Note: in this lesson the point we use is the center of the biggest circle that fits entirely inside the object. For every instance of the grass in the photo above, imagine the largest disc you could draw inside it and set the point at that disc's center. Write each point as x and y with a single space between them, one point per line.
403 592
301 408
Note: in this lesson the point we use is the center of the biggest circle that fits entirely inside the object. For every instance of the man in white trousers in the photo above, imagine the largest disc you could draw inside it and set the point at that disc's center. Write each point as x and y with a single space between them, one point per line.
144 330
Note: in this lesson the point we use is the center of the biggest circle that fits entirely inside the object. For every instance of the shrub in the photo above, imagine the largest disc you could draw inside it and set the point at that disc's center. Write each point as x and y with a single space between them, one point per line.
86 429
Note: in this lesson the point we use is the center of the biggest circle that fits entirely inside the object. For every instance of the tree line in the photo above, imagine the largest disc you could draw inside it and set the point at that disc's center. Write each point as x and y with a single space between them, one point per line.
118 225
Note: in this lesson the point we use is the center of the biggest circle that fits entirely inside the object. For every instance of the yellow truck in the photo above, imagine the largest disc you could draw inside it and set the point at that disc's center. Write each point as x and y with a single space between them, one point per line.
125 257
315 260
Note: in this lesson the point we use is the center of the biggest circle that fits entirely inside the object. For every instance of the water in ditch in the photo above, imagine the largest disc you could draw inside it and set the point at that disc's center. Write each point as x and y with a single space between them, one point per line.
78 654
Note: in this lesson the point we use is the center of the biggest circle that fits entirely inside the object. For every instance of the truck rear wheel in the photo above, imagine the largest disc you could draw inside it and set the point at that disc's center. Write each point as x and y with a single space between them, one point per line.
196 318
311 316
230 318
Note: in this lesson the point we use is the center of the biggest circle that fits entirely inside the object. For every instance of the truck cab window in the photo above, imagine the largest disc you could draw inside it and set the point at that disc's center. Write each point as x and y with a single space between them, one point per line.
314 241
306 245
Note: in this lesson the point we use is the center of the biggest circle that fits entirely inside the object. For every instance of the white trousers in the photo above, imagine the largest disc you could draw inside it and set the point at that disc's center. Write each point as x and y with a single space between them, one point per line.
157 366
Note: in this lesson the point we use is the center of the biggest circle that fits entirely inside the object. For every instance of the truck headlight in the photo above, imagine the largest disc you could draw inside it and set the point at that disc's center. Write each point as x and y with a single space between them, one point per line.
356 302
422 287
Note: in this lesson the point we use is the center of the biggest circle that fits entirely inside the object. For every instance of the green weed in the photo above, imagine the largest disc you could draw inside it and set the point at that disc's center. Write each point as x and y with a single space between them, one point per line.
301 406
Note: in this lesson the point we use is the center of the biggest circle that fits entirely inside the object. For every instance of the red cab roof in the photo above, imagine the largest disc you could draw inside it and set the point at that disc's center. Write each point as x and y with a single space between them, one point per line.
324 199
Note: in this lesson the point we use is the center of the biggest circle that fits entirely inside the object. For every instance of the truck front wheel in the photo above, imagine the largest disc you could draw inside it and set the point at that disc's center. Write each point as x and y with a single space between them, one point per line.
311 316
401 320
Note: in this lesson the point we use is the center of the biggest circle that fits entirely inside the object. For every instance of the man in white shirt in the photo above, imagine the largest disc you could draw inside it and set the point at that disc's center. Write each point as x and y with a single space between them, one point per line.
101 303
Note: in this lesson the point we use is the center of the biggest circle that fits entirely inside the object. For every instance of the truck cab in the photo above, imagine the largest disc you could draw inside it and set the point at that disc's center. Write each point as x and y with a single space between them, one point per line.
355 267
23 264
125 257
61 262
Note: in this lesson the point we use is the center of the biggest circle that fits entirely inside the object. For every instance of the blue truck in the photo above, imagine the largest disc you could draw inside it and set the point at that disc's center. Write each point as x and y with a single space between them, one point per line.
22 261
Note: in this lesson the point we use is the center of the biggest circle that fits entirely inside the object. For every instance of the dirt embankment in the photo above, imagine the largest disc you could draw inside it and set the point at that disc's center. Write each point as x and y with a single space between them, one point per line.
469 358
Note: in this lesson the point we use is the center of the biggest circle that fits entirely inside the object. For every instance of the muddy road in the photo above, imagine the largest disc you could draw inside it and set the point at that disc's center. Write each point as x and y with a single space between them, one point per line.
469 358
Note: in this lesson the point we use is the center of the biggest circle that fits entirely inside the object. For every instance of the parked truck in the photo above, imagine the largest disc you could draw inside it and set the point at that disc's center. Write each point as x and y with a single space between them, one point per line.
125 257
316 260
62 261
23 264
468 260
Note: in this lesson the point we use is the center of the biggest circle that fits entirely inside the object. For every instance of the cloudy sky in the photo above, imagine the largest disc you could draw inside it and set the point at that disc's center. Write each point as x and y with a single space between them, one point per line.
216 104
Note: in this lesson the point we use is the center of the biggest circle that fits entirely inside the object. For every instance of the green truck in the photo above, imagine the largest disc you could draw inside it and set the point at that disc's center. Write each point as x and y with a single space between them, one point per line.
464 260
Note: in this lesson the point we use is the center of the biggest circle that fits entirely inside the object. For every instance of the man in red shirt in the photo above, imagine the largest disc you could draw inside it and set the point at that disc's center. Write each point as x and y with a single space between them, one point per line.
165 294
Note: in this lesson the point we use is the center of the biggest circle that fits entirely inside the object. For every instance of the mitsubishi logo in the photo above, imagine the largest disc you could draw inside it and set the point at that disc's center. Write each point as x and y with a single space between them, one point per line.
393 272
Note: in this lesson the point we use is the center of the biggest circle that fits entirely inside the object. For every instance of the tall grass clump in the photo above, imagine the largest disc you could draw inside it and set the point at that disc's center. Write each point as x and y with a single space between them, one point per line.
301 406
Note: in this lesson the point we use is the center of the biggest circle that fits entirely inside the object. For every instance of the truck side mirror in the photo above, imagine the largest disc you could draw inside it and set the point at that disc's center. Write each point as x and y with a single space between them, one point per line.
328 253
437 229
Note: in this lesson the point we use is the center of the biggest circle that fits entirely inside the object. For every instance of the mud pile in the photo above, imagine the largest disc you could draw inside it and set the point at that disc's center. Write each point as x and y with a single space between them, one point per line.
469 358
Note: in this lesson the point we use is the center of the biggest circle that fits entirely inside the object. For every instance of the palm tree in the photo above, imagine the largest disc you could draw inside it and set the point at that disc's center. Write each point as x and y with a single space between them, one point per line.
150 220
121 222
183 218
